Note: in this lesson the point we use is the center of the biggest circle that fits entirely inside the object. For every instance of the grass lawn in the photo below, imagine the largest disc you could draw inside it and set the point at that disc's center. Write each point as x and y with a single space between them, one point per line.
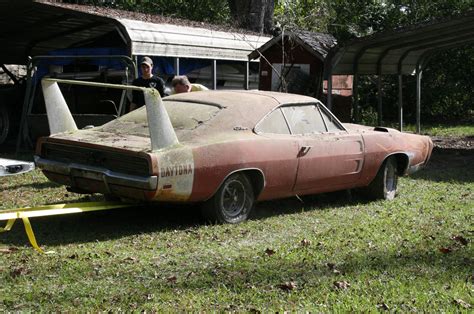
330 253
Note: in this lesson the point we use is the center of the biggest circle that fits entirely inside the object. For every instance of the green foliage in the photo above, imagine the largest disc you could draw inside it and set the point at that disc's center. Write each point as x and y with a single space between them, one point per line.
215 11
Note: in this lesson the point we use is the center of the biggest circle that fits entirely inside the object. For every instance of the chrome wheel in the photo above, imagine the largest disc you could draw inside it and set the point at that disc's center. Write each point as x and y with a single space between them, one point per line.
233 201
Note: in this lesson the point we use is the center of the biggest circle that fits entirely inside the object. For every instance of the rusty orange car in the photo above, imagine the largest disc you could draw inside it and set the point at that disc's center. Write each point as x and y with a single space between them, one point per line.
228 150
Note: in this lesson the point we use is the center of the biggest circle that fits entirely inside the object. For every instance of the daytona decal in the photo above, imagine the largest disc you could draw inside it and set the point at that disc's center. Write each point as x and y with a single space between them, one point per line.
176 175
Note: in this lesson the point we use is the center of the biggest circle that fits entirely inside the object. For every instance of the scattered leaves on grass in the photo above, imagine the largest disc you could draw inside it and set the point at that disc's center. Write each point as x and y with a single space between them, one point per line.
287 286
305 242
445 250
8 250
462 303
341 285
333 268
172 279
130 259
19 271
269 252
460 239
383 306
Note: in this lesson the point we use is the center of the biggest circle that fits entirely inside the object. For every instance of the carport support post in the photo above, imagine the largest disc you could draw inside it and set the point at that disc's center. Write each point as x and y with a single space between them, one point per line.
418 99
214 74
379 99
400 102
329 101
246 76
355 97
176 66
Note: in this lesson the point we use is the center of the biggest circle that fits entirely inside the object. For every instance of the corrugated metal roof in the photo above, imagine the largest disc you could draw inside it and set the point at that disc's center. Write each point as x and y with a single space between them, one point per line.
29 28
400 50
318 44
189 42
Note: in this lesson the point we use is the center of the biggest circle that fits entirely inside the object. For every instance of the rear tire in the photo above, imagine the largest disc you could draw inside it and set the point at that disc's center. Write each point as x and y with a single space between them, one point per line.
233 201
384 186
4 123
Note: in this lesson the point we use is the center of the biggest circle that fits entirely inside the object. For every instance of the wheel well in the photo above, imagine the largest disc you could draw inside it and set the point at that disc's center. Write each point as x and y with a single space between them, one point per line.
257 179
402 163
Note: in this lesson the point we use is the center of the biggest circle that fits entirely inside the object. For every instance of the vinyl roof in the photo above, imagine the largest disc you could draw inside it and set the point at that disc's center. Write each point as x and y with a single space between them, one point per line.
29 28
400 50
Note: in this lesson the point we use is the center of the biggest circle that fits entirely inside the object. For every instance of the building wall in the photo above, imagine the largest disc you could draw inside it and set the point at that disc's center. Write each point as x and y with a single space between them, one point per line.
298 56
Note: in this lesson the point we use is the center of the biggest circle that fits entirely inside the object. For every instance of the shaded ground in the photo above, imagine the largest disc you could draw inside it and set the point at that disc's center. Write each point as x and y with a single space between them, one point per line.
454 152
453 142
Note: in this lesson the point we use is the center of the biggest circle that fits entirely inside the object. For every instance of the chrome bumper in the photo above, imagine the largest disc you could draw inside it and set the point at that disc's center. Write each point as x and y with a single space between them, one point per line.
108 177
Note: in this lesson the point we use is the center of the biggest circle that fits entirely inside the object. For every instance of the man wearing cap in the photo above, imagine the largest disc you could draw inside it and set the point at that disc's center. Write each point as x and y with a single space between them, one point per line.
146 80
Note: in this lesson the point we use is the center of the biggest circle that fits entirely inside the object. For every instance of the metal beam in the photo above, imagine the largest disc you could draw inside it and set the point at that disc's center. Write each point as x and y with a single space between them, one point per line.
418 98
246 75
355 98
379 100
214 74
329 101
176 66
400 102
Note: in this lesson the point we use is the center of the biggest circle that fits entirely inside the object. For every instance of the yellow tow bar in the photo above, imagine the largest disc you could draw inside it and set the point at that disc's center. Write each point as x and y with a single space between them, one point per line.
11 215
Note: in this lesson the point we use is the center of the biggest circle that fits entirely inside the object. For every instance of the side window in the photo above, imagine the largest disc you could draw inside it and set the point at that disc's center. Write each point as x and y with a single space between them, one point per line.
304 119
273 123
331 123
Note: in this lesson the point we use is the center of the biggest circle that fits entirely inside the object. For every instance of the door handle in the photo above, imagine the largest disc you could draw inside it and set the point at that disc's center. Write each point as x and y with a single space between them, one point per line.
303 151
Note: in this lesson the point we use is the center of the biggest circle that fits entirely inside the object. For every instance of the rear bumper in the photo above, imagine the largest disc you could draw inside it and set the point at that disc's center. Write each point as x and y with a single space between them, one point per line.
78 171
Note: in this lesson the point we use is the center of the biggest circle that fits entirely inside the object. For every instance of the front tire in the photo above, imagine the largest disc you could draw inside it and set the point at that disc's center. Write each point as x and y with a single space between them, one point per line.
384 186
233 201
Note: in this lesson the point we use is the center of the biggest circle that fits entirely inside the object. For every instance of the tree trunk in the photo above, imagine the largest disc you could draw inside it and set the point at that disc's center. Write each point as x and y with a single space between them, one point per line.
254 15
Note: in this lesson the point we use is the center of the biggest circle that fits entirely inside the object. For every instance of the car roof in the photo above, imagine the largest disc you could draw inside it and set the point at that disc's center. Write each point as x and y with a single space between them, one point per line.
243 98
243 108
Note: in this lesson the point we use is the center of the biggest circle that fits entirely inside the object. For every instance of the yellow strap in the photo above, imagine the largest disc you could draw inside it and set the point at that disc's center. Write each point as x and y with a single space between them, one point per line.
9 225
58 209
31 235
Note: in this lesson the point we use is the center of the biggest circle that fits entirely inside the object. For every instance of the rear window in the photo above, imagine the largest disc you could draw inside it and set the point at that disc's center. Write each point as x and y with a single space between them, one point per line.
183 115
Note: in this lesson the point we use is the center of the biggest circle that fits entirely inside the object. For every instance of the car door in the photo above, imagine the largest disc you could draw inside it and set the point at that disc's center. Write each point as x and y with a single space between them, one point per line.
329 158
280 150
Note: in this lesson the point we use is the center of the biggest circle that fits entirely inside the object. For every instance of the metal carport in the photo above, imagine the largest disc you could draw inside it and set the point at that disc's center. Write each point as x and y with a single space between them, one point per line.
31 28
401 52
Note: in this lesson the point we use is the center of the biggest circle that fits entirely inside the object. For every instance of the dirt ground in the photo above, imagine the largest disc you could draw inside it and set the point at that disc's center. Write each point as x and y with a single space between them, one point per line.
451 142
452 153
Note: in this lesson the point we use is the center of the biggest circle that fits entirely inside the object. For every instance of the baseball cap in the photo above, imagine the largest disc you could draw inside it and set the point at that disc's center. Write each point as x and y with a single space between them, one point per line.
147 61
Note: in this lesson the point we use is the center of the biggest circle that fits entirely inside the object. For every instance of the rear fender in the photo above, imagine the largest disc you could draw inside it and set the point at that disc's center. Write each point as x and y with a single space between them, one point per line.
403 160
256 176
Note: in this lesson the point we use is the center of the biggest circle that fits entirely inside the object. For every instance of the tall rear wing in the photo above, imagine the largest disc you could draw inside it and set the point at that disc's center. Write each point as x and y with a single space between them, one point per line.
60 119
